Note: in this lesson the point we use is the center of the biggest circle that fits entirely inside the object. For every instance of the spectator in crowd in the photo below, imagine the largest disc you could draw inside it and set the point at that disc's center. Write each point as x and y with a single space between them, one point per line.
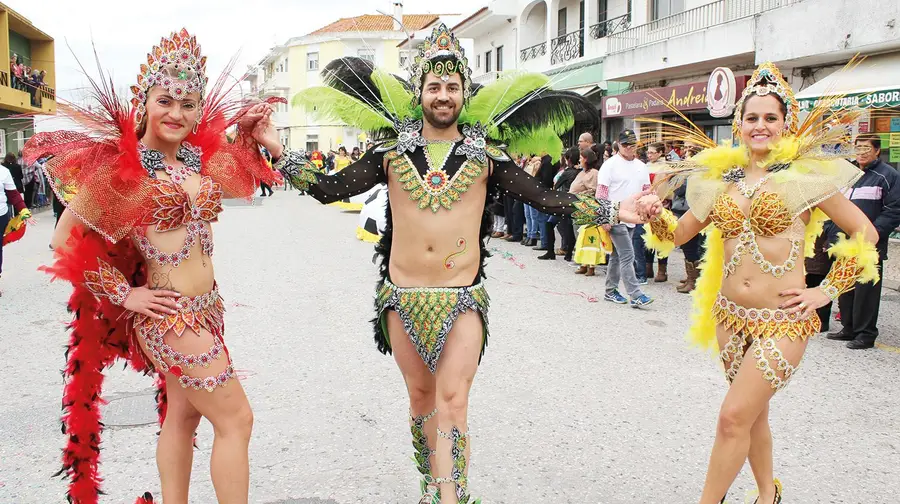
588 252
654 156
515 212
19 73
546 172
342 160
29 181
354 156
877 194
620 176
585 140
671 152
817 268
15 169
693 249
369 145
498 211
532 167
13 63
562 181
329 162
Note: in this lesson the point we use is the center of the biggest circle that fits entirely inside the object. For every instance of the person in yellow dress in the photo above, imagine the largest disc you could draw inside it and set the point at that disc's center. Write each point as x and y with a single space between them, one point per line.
590 246
342 160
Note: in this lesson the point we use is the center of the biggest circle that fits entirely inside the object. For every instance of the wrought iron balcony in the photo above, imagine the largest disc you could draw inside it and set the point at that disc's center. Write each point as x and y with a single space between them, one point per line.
566 48
534 51
611 26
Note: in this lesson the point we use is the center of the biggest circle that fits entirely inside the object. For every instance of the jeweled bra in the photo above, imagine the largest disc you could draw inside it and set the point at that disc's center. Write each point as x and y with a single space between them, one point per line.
174 209
768 216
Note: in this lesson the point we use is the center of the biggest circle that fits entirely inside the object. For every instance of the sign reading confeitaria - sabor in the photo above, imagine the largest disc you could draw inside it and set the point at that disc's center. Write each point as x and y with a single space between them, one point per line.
876 99
684 97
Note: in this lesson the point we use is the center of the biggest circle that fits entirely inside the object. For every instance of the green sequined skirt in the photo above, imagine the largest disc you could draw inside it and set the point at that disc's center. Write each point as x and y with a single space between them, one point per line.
428 314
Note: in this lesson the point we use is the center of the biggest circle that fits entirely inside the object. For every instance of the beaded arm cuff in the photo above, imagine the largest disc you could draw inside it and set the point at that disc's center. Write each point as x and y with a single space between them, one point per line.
297 168
108 282
856 262
589 210
659 234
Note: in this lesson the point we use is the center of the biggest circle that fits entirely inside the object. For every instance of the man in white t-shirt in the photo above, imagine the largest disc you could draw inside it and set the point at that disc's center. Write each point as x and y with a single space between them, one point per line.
622 175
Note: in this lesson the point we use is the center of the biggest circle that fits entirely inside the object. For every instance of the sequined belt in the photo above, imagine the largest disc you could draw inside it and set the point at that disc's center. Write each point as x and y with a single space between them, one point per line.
205 311
764 322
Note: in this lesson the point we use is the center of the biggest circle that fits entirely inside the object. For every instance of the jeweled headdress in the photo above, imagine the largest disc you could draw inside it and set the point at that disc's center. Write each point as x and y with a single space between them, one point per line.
441 43
176 65
767 79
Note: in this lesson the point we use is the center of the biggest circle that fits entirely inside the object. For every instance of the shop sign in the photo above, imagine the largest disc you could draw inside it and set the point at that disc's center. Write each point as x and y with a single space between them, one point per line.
895 155
895 123
878 99
655 101
720 92
882 124
863 127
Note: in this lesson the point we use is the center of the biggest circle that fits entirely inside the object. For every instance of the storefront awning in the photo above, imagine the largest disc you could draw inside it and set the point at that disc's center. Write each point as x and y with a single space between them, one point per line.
875 83
582 79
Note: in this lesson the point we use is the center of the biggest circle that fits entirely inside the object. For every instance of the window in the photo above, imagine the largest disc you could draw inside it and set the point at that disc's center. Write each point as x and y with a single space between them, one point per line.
282 66
367 54
404 59
603 10
665 8
284 135
500 59
487 62
561 22
312 61
312 143
477 61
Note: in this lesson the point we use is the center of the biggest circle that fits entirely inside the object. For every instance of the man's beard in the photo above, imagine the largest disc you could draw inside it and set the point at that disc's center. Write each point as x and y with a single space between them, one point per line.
432 119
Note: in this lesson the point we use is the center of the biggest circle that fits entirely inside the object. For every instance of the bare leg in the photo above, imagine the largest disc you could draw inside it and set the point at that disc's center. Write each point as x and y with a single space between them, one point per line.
760 457
746 400
226 408
455 374
175 448
419 381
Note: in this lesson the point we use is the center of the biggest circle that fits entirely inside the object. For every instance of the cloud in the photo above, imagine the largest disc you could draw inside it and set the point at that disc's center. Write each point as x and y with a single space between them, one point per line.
124 32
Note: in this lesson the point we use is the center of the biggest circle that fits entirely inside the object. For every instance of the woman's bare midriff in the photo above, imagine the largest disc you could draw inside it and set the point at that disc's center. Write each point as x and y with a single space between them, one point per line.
750 287
191 278
425 241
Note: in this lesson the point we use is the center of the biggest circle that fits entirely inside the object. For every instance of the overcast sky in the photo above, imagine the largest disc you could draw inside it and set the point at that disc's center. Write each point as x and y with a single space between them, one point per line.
223 27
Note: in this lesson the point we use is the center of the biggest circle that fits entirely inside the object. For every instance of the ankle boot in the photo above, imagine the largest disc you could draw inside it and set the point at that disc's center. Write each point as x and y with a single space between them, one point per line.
649 271
590 271
684 280
693 273
548 255
582 270
662 273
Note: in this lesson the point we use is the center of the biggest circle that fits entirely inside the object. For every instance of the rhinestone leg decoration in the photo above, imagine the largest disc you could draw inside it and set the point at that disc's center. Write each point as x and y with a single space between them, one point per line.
424 452
765 349
733 353
458 443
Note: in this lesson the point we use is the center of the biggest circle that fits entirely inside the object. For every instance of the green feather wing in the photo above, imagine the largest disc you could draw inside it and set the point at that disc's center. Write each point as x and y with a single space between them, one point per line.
329 103
536 142
495 98
394 95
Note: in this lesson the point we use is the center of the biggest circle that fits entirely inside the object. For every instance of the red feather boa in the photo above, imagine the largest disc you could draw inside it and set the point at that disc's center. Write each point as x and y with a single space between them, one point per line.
101 333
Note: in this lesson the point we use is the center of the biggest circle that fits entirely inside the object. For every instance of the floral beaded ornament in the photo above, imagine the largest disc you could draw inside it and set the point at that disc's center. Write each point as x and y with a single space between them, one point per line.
175 64
441 42
767 79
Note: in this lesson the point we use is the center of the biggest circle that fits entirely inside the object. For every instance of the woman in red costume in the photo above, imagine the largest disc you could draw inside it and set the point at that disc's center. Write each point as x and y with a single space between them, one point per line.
136 243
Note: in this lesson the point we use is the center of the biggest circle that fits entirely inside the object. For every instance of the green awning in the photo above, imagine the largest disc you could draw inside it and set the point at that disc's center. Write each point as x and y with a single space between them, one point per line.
582 78
888 98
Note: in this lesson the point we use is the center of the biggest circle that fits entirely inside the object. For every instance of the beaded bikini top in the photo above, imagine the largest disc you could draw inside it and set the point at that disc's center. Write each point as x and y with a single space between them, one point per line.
768 217
173 208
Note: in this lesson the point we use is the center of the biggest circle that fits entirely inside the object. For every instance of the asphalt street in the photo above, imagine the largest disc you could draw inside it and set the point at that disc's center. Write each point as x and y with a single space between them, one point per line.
576 401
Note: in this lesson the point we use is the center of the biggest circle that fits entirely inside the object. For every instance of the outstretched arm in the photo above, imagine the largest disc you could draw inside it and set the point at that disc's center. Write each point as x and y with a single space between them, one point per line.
584 209
356 178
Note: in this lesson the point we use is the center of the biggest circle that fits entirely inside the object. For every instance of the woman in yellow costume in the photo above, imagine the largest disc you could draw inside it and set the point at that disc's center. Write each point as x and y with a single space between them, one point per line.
762 205
593 242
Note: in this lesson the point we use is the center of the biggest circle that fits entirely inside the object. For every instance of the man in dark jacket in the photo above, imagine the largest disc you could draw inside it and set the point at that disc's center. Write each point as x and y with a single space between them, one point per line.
563 182
877 194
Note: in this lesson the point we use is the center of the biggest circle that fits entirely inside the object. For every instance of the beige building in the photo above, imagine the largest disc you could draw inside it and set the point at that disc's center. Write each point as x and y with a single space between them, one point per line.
297 65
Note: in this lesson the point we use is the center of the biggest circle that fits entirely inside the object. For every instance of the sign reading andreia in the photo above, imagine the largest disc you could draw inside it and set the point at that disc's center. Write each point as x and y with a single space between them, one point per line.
685 97
878 99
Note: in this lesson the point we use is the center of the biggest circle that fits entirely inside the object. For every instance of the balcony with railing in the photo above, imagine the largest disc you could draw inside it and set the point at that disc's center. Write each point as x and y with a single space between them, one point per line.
609 27
716 31
533 52
486 78
567 47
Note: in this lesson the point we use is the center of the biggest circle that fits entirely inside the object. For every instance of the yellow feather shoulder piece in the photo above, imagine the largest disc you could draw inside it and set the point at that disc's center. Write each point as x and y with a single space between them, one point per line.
703 327
863 251
719 160
814 228
784 150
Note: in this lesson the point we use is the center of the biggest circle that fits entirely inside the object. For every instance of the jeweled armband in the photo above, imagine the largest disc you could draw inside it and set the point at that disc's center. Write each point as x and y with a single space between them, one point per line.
297 168
589 210
659 234
856 262
108 282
